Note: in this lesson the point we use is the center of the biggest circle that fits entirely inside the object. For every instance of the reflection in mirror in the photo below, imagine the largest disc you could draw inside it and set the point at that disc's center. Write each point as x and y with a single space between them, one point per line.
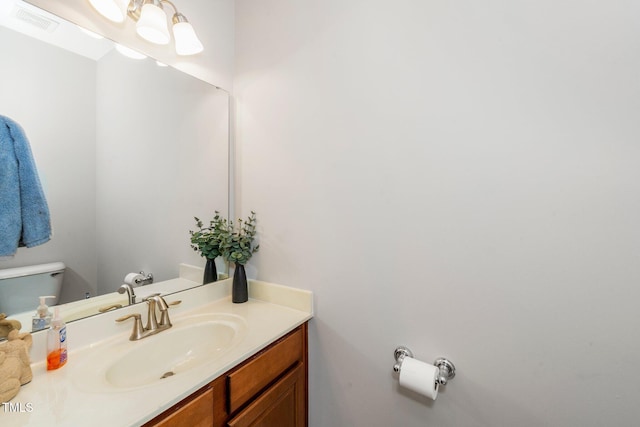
128 153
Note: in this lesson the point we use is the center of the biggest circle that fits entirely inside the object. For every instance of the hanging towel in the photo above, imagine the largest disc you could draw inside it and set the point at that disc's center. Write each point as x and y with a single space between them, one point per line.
24 214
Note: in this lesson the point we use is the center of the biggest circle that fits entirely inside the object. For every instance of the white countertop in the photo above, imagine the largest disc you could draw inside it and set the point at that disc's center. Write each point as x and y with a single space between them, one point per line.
59 398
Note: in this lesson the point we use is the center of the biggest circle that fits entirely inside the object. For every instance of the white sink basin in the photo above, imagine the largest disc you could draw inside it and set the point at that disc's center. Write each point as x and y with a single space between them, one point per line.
190 343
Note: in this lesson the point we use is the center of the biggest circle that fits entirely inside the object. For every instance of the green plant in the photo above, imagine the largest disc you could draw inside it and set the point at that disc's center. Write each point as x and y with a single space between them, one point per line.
236 244
208 240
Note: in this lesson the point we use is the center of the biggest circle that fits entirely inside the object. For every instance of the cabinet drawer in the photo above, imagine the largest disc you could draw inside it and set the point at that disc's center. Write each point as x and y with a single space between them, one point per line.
282 405
264 368
197 412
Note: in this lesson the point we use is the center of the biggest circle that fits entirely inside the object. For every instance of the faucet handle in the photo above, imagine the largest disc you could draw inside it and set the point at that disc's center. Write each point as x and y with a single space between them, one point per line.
137 332
128 316
109 307
164 307
162 304
152 320
151 296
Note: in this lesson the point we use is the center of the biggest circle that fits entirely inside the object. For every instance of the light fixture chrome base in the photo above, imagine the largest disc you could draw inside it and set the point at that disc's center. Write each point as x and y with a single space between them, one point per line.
134 9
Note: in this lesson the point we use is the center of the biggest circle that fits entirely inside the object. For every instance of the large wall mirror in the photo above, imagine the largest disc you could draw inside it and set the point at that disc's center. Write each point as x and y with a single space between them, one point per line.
128 152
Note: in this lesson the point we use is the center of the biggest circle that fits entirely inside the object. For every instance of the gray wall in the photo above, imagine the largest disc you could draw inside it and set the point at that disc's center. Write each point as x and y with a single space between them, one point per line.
52 94
460 177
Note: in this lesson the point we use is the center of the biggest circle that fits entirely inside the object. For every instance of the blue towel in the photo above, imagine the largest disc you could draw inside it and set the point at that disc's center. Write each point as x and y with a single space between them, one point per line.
24 214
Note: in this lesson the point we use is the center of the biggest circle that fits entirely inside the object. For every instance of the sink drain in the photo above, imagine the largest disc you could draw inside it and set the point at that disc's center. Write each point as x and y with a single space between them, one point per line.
167 375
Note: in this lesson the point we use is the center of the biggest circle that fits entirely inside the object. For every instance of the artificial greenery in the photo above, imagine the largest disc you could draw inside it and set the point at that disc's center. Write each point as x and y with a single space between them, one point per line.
236 243
208 240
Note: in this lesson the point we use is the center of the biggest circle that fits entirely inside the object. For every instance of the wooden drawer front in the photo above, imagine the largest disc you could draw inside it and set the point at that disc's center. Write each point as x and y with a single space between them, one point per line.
257 373
282 405
198 412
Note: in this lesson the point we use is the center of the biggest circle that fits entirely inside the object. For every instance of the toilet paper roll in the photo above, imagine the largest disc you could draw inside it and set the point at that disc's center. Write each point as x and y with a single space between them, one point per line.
130 279
419 377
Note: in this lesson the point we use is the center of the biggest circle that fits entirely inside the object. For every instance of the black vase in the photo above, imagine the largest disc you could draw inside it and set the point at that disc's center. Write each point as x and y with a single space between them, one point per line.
239 292
210 272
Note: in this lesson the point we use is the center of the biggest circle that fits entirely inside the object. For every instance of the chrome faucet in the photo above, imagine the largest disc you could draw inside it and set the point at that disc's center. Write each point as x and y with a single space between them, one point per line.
129 290
153 325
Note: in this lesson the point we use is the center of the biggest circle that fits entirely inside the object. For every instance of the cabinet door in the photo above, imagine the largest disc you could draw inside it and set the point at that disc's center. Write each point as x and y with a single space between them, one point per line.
197 412
282 405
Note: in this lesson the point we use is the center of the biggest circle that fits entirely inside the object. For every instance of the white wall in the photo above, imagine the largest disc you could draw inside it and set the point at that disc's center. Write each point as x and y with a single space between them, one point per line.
162 158
37 79
459 177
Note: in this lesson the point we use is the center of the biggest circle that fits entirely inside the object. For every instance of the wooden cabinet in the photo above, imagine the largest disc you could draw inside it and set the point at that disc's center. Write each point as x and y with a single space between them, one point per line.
282 405
195 411
267 390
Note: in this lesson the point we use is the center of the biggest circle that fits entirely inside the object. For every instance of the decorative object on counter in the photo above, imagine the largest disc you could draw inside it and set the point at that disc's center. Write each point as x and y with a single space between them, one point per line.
8 325
15 366
239 291
207 242
237 247
56 342
42 318
210 271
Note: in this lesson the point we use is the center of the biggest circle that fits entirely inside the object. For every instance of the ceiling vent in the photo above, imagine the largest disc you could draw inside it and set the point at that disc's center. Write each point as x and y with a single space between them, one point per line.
35 20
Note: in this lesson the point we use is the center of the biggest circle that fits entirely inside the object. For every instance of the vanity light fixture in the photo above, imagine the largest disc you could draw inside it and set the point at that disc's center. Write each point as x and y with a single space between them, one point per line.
113 10
151 22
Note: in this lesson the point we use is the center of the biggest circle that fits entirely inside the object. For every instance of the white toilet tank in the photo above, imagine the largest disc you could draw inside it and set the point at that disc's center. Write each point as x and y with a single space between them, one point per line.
20 287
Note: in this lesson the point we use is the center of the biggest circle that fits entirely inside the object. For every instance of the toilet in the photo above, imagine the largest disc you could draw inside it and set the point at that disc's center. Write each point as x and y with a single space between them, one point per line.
20 287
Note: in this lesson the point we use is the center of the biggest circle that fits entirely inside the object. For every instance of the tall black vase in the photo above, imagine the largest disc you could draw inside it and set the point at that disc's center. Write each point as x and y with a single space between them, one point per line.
239 292
210 271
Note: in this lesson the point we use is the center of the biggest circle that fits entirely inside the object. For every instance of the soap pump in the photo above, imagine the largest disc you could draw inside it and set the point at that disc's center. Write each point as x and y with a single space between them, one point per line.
42 318
56 342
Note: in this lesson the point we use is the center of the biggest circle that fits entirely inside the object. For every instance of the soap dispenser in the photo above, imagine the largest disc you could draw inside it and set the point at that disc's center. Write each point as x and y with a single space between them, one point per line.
56 342
42 319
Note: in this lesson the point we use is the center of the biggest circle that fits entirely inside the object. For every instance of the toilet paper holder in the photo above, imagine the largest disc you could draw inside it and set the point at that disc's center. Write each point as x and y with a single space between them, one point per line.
446 369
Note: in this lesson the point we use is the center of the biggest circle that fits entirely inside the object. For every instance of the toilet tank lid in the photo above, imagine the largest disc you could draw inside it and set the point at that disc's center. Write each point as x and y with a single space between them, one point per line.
28 270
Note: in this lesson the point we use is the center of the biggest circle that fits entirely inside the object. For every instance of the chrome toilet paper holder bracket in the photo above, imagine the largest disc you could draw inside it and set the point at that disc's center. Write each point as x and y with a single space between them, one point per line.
446 369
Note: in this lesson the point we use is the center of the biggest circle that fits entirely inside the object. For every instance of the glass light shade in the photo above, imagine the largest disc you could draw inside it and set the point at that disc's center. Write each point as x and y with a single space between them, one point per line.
113 10
187 42
152 25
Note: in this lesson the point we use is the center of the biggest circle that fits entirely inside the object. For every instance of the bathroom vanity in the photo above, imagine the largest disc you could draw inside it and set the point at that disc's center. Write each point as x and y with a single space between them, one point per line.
220 364
270 389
